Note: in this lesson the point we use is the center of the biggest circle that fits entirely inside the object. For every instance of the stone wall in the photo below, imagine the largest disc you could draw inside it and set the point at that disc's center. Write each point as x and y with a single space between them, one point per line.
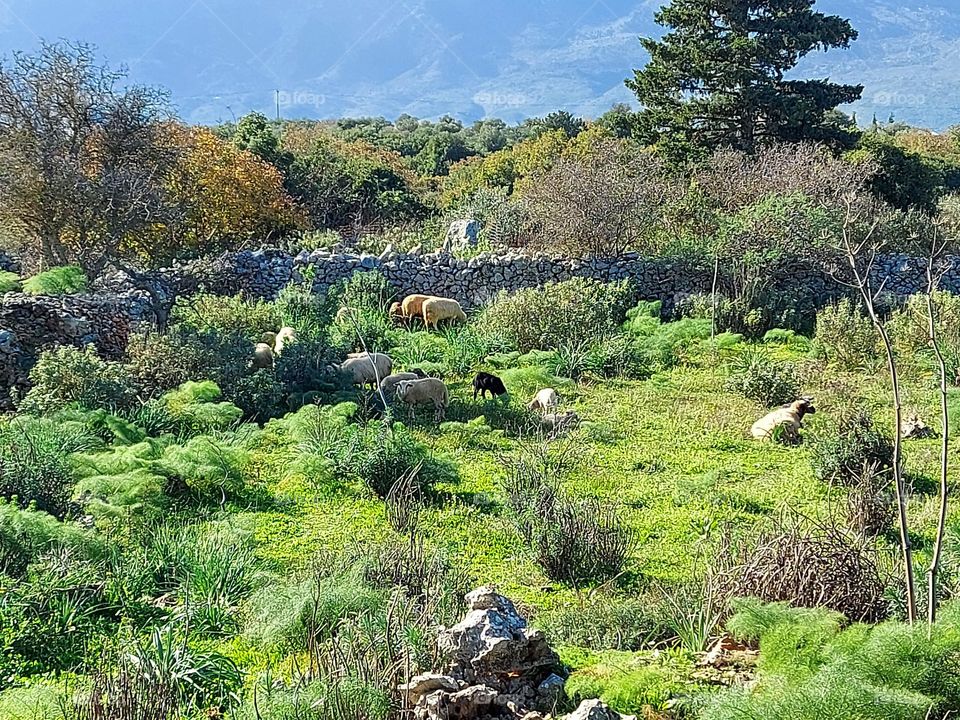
116 308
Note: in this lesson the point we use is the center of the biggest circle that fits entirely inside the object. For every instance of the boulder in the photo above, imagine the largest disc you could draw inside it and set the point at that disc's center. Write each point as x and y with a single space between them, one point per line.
461 234
597 710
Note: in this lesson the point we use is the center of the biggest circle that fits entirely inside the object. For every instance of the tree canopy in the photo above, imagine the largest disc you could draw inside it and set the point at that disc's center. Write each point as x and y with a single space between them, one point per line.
718 77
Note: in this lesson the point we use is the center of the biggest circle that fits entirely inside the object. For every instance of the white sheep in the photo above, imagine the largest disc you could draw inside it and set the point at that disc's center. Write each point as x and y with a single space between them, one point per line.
555 423
437 310
262 356
388 385
286 336
789 418
544 400
366 368
429 391
412 305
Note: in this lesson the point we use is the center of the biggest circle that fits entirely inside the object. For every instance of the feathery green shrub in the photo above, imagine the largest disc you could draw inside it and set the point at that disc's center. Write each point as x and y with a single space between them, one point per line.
67 375
65 280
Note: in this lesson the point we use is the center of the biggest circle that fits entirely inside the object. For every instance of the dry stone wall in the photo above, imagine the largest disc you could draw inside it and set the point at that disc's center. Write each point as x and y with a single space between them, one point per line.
116 308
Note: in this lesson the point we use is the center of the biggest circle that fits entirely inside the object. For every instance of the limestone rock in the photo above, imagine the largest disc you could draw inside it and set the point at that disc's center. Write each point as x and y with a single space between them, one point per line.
597 710
461 234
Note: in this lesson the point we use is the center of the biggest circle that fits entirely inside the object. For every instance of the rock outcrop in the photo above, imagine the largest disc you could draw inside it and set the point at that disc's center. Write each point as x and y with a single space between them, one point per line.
498 667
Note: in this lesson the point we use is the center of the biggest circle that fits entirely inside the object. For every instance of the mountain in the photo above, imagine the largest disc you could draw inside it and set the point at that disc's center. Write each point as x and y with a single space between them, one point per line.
469 59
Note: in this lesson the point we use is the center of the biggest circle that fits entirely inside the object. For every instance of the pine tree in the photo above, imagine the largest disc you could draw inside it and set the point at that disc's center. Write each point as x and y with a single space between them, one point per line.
717 77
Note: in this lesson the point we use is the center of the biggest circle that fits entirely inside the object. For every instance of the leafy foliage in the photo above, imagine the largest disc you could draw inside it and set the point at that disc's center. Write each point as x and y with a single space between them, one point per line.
757 377
67 375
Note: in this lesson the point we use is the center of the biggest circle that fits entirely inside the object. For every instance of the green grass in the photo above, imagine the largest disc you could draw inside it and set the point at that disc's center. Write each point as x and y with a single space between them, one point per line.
66 280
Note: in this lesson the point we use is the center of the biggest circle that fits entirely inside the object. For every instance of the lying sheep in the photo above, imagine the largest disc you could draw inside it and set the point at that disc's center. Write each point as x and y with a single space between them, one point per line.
556 423
437 310
544 400
366 368
429 391
286 336
789 418
388 386
485 382
412 305
262 356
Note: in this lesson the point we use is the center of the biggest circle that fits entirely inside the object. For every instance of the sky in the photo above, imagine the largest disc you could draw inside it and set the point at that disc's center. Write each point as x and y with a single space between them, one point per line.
497 58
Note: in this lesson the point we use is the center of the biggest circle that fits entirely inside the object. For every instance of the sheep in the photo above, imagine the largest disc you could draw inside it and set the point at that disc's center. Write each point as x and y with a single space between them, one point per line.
555 423
429 391
396 312
388 386
269 338
412 305
436 310
485 382
789 418
286 336
262 356
366 368
544 400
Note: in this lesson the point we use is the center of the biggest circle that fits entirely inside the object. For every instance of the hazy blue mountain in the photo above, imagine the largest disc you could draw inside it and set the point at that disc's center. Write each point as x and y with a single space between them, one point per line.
466 58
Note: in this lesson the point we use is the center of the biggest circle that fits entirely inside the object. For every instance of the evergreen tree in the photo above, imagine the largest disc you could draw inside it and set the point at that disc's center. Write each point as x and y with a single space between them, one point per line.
717 77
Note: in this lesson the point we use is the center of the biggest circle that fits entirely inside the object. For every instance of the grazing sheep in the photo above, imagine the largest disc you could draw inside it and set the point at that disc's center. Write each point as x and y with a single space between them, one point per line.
269 338
556 423
485 382
437 310
412 305
286 336
914 428
366 368
429 391
262 356
789 417
388 386
544 400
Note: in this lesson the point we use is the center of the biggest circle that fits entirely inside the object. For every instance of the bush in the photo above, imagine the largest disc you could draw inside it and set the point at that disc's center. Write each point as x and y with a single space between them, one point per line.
854 447
699 306
383 452
559 313
807 564
368 296
66 280
260 396
226 315
809 667
770 383
604 622
67 375
34 464
194 409
632 684
27 534
9 282
846 336
163 361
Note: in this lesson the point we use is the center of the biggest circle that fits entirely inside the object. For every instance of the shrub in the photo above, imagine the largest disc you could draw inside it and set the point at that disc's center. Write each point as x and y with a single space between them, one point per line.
846 336
226 315
9 282
207 469
806 564
383 452
632 684
700 306
757 377
547 318
120 482
260 396
368 296
575 541
603 621
34 464
25 534
810 667
845 453
66 280
164 361
193 408
307 313
909 331
67 375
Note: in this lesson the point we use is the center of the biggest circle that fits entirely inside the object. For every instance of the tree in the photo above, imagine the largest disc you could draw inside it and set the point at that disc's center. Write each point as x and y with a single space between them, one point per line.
83 158
717 77
255 134
227 197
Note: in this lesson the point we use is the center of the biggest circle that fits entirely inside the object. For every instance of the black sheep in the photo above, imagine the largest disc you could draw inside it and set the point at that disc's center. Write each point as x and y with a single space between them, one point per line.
484 382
